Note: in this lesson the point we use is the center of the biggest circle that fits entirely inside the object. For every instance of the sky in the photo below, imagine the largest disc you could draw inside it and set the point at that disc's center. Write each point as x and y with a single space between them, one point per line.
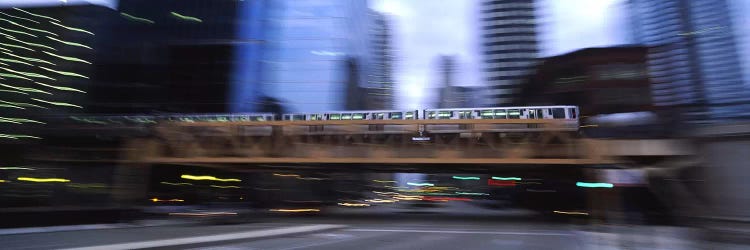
425 29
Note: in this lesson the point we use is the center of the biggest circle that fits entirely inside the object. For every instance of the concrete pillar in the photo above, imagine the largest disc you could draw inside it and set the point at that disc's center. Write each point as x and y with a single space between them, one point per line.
725 153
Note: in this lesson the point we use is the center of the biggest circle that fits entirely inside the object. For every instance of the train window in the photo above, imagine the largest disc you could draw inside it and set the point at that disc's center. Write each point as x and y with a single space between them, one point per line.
287 117
316 117
514 114
378 116
445 114
395 115
346 116
464 114
299 117
500 114
573 113
409 116
558 113
487 114
335 117
431 115
358 116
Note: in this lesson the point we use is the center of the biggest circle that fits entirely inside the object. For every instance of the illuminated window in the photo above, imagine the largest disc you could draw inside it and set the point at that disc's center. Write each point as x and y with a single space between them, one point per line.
395 115
487 114
514 114
346 116
335 117
379 116
464 114
445 114
409 115
358 116
500 114
299 117
431 115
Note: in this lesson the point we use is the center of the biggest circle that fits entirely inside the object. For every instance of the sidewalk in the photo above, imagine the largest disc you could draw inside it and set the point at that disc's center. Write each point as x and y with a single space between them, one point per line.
647 237
134 224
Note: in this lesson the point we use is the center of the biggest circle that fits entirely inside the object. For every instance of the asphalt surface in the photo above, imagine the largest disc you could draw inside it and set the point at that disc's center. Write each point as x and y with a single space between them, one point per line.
451 227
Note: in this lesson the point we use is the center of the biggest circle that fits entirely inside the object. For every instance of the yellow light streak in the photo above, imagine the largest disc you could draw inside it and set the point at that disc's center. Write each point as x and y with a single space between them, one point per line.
25 89
15 61
68 43
13 91
295 210
218 186
22 18
30 44
60 87
346 204
28 58
36 15
64 72
37 30
17 32
72 28
176 183
186 18
207 178
22 104
32 179
135 18
29 74
381 201
287 175
69 58
65 104
10 106
15 46
15 137
170 200
14 76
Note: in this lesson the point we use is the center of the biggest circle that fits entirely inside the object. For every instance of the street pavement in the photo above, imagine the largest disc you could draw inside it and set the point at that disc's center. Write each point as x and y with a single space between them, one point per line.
453 226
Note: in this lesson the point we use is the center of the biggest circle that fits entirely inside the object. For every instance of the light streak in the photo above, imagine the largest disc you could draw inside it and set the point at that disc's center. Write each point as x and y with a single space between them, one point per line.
589 126
16 168
381 181
36 15
13 91
381 201
170 200
29 74
135 18
572 213
22 104
30 44
203 214
218 186
17 32
2 181
594 184
84 185
10 106
346 204
15 61
420 184
506 178
444 199
69 43
408 197
310 178
64 72
207 178
14 76
60 87
176 183
1 48
28 58
295 210
15 46
385 193
287 175
73 29
465 177
18 136
186 18
22 18
470 193
24 89
37 30
65 104
32 179
69 58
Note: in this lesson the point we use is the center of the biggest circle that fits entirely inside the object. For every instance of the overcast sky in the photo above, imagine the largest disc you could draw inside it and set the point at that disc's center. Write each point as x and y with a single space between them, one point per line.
425 29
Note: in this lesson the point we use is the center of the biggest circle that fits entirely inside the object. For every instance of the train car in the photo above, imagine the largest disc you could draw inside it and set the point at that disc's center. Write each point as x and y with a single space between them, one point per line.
357 115
567 113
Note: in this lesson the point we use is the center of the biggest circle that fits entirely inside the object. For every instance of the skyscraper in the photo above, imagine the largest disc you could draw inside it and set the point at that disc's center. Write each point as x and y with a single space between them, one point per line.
509 46
693 60
305 47
379 89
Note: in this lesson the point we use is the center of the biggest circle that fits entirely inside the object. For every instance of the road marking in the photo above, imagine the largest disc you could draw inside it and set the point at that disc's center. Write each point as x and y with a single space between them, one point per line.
457 232
212 238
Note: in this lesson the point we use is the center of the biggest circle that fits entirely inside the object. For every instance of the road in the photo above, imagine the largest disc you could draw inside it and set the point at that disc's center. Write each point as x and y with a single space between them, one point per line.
433 230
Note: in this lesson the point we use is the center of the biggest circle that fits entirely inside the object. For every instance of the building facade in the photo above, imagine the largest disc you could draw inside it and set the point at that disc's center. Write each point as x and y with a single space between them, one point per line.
694 60
305 48
380 84
509 46
598 80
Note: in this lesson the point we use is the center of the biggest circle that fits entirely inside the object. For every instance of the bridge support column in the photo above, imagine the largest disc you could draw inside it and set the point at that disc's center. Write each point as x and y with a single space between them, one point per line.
725 150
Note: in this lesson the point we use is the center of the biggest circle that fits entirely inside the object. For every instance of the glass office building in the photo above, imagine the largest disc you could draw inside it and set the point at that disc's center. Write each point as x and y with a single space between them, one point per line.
694 59
302 54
